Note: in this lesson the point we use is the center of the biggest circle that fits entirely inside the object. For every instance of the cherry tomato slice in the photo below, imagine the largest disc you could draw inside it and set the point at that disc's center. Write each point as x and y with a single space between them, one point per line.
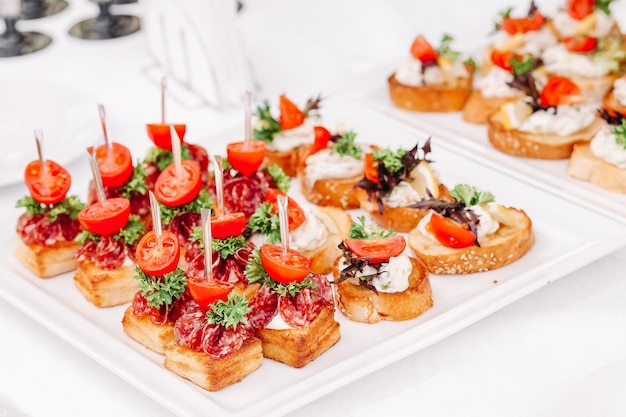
175 190
105 218
161 135
291 267
377 250
369 168
294 211
207 291
49 187
559 90
579 9
513 25
116 164
580 44
232 224
157 261
290 115
246 159
322 137
503 59
421 49
450 233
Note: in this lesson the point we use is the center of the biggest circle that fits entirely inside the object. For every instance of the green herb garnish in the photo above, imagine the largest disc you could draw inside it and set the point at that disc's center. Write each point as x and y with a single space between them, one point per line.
203 200
358 230
229 313
133 230
392 160
161 290
136 183
255 273
265 221
281 180
524 65
269 125
163 157
70 205
471 196
446 51
345 146
620 133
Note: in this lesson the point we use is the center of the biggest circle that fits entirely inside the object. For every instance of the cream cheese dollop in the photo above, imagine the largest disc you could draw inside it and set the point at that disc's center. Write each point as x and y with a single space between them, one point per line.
533 42
496 83
309 236
562 121
402 195
326 164
558 60
410 73
393 276
289 139
604 146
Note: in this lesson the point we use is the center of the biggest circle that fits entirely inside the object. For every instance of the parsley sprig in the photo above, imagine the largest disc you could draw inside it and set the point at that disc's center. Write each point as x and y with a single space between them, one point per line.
445 50
229 313
265 221
359 230
163 157
203 200
604 5
136 183
226 247
345 146
161 290
470 195
281 180
134 229
269 125
70 205
255 273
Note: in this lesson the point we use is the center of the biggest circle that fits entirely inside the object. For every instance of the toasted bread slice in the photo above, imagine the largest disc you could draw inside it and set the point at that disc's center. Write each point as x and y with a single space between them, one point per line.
46 261
105 288
298 346
610 103
531 145
506 245
478 107
364 305
153 336
584 165
210 373
446 97
287 160
338 223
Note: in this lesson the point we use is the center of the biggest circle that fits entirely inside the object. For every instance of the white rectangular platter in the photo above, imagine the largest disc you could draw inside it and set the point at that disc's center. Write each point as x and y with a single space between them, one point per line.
370 89
568 236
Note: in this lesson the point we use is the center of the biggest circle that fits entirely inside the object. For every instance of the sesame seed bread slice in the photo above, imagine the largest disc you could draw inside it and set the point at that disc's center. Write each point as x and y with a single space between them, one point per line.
584 165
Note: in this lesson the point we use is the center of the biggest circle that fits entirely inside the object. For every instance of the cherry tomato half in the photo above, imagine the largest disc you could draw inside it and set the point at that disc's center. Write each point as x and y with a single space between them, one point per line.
294 211
450 233
369 168
161 134
246 159
322 137
49 187
116 164
155 260
421 49
293 266
175 190
231 224
559 90
290 115
580 44
503 59
513 25
207 291
579 9
105 218
377 250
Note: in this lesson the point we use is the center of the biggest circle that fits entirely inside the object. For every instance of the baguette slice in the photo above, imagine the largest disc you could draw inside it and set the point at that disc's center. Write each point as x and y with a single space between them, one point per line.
506 245
584 165
287 160
105 288
46 261
214 374
530 145
364 305
445 98
297 347
140 328
338 223
478 107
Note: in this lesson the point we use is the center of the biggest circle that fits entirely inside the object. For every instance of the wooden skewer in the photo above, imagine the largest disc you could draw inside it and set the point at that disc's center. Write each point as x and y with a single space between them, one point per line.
206 237
283 217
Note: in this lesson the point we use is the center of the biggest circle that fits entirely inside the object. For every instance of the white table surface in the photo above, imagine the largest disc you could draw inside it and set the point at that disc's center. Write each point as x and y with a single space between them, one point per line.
558 351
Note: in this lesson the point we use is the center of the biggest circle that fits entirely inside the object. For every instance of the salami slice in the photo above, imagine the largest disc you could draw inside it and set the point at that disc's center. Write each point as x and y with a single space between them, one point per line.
109 253
182 225
323 289
301 309
38 230
264 306
188 330
218 341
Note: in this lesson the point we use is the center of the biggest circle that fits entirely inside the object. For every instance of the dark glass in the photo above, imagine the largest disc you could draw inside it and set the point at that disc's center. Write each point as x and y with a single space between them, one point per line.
35 9
105 25
16 43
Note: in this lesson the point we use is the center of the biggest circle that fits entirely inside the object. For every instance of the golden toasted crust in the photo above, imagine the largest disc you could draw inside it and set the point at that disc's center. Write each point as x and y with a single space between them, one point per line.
506 245
214 374
478 107
364 305
153 336
611 103
298 346
105 288
400 219
287 160
338 223
445 97
531 145
335 192
46 261
584 165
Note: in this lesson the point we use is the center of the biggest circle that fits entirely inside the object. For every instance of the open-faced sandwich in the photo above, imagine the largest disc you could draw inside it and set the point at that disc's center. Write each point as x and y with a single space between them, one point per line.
46 231
547 124
375 279
285 135
470 234
603 160
431 80
294 309
393 181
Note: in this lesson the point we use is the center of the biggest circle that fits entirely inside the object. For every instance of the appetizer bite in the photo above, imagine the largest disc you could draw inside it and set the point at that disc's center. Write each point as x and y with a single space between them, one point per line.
470 234
393 181
431 80
285 135
603 160
376 280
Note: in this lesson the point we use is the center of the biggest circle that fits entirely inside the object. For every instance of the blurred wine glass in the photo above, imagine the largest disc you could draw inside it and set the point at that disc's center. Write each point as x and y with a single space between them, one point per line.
12 41
106 25
35 9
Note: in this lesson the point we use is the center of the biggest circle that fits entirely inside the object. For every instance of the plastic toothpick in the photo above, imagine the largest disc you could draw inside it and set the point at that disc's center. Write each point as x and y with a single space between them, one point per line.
176 150
219 184
163 87
95 171
283 217
248 133
39 141
103 123
156 219
206 238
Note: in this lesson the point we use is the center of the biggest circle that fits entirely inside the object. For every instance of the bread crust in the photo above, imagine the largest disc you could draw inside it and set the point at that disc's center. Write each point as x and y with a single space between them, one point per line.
478 107
443 98
297 347
46 261
610 103
324 256
210 373
584 165
530 145
105 288
287 160
141 329
364 305
506 245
